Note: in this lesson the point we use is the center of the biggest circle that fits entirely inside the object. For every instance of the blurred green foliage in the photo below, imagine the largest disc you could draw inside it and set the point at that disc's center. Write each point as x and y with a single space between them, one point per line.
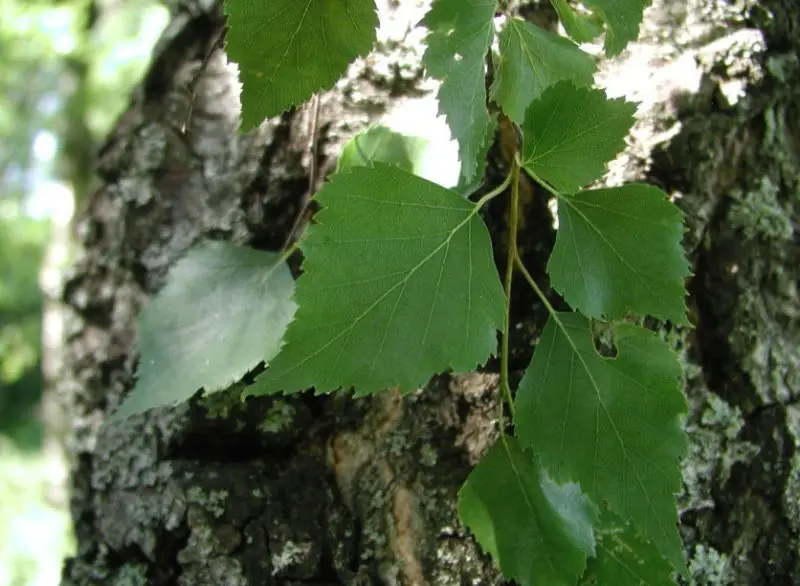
66 71
35 531
22 241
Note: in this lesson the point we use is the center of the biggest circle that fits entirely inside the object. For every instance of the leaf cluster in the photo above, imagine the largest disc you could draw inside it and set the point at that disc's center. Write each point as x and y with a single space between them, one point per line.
399 282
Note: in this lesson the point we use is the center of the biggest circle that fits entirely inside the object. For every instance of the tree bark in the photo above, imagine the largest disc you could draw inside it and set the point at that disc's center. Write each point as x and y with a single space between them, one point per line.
332 490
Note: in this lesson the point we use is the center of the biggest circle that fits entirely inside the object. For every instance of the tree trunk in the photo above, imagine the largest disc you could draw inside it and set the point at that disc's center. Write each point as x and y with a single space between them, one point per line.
333 490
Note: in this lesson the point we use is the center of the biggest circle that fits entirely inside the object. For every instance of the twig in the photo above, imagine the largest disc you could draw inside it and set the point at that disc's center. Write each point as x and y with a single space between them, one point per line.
192 87
313 147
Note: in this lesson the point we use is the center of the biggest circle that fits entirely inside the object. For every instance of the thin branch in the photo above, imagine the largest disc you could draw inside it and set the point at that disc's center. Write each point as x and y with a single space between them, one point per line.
218 43
513 222
313 148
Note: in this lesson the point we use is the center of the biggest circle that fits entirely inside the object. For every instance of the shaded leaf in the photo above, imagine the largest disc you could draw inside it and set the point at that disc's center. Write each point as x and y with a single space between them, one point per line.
379 144
223 310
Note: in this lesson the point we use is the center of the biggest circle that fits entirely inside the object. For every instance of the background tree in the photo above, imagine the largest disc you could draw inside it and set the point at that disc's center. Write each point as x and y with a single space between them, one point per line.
329 490
59 61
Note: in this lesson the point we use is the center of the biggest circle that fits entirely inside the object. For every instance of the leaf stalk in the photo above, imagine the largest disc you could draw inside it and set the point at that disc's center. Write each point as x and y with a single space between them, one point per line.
495 192
518 259
539 293
554 192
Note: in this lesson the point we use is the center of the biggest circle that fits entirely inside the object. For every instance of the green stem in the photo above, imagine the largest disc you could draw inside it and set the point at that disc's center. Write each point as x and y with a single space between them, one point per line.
494 192
518 260
553 314
513 222
543 183
534 286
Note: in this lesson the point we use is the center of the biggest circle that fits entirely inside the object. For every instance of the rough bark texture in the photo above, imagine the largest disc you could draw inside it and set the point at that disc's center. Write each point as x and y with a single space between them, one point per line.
306 490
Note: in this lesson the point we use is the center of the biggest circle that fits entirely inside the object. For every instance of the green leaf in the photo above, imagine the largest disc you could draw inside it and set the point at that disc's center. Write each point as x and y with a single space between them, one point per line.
537 531
622 18
611 425
624 557
461 32
581 27
467 187
399 284
223 310
570 134
532 59
619 250
289 49
379 144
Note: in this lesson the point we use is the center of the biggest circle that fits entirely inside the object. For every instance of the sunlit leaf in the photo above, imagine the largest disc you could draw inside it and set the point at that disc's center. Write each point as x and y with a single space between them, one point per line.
624 557
289 49
619 251
531 60
537 531
570 134
610 424
622 18
379 144
581 27
399 284
461 32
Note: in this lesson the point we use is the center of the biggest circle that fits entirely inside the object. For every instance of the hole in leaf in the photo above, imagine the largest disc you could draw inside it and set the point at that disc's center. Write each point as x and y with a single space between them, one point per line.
603 338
